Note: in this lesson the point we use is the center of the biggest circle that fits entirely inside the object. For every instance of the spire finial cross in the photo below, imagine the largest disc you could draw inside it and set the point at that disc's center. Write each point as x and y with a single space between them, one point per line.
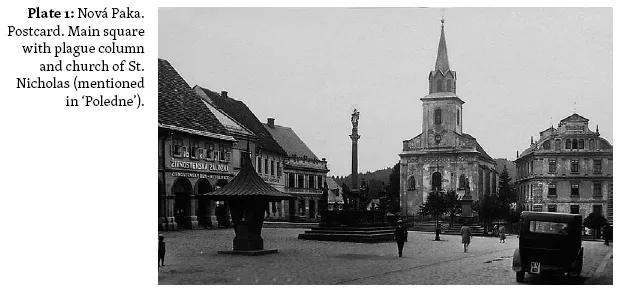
442 14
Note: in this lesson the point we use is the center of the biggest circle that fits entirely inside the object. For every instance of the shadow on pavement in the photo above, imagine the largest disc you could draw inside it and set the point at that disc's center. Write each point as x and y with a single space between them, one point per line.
553 280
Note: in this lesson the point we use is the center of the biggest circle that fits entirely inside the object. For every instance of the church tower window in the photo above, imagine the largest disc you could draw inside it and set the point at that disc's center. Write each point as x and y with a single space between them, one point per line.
458 117
438 116
439 87
449 85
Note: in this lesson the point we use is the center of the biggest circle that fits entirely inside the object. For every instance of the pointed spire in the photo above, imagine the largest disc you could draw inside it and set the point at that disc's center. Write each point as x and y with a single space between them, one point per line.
442 63
597 129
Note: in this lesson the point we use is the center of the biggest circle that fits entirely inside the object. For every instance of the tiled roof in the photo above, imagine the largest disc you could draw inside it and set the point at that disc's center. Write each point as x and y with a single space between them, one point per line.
179 106
248 184
241 113
479 148
288 139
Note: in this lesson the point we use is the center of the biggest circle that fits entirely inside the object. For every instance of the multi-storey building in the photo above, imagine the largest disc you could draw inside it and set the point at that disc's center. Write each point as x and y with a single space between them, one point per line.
304 173
194 152
266 154
443 157
567 170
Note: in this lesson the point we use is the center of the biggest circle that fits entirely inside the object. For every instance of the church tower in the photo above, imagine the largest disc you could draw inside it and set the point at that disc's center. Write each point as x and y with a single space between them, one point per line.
442 108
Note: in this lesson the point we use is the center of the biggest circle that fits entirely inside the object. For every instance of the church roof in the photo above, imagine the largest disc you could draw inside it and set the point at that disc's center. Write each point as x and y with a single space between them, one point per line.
574 118
247 184
442 63
179 106
479 147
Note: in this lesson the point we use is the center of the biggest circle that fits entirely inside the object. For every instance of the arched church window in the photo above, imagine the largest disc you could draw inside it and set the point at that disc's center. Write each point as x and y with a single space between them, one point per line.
567 146
558 144
411 184
438 116
547 145
581 144
449 85
439 87
574 143
458 117
436 181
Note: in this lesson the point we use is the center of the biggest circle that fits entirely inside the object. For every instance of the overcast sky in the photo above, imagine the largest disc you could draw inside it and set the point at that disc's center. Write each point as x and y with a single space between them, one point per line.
519 70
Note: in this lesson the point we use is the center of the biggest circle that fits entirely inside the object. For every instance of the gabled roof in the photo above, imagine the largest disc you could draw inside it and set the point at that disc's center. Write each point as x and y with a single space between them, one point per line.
180 106
229 123
574 118
247 184
242 114
478 147
288 139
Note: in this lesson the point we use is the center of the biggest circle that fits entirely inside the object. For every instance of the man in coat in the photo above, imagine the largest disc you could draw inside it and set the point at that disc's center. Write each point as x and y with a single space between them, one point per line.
400 234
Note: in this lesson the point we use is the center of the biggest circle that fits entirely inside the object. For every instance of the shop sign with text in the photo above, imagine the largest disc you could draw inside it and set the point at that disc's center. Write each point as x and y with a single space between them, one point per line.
207 166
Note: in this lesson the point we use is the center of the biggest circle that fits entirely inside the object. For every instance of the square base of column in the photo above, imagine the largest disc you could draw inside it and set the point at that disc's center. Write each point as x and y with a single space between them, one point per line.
249 252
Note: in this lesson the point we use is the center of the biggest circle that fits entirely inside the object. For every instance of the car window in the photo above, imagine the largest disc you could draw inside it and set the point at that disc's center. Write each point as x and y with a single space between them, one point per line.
548 227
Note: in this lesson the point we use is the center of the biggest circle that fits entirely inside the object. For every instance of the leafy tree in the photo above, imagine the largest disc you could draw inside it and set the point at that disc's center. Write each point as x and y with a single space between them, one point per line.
488 207
393 189
435 205
453 205
507 197
595 221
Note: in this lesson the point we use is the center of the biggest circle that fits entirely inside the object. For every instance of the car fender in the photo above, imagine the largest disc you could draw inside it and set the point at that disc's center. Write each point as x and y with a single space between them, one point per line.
516 261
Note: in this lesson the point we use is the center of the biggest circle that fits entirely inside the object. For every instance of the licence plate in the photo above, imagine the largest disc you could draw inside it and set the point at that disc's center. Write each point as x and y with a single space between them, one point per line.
535 268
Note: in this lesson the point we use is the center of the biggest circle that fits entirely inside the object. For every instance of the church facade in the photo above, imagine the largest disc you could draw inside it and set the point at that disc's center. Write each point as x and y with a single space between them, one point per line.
443 157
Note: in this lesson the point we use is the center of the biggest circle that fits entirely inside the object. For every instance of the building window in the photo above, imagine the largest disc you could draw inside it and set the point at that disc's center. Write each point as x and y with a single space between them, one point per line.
311 181
210 151
259 165
574 190
597 190
574 209
591 144
552 193
552 208
279 169
438 116
458 116
574 165
598 209
462 182
411 184
537 208
558 144
574 144
273 165
291 180
547 145
436 181
449 85
597 166
274 208
266 166
320 182
581 144
177 145
567 146
300 181
302 207
439 87
193 150
552 165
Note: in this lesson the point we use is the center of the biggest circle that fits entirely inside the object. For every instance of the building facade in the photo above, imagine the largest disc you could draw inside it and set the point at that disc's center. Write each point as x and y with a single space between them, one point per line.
304 174
567 170
443 157
266 154
194 154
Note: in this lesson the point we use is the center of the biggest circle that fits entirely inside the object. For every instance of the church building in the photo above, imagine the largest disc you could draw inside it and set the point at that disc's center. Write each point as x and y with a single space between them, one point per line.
443 157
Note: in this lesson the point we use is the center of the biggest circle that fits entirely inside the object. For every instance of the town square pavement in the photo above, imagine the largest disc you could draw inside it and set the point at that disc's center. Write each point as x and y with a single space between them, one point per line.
192 258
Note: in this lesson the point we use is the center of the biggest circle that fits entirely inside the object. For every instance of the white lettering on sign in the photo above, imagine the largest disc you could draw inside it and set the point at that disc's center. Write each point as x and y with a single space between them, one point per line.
199 175
198 165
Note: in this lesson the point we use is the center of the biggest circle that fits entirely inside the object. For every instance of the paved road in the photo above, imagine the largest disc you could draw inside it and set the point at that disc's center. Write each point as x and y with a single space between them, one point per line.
192 259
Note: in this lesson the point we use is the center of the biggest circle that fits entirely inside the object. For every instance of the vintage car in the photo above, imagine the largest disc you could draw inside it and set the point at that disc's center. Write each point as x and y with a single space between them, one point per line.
549 243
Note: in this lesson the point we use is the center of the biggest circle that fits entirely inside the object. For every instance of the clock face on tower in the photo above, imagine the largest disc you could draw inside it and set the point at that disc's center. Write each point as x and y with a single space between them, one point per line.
437 138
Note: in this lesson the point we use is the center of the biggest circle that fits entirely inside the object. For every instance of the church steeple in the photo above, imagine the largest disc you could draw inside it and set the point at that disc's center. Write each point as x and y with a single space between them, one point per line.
442 79
442 63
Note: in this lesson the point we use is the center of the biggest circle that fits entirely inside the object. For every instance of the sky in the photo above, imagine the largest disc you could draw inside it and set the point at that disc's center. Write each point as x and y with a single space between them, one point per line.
519 71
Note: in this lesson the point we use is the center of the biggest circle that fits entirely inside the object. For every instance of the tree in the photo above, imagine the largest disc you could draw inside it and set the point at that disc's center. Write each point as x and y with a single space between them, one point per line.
595 221
453 205
393 189
507 197
435 205
488 207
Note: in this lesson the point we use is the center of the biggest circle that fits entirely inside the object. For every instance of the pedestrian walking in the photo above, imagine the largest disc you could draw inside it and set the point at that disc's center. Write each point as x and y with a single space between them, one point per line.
400 234
161 251
466 236
607 230
502 233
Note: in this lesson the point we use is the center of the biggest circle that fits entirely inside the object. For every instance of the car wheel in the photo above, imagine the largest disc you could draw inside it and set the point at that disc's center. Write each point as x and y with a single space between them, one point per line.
520 277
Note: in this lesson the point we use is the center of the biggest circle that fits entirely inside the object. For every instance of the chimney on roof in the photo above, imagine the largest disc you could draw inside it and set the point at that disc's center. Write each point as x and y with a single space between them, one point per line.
224 93
271 122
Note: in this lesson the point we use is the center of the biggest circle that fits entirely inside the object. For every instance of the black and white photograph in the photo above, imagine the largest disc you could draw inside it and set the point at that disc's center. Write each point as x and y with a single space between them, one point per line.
385 146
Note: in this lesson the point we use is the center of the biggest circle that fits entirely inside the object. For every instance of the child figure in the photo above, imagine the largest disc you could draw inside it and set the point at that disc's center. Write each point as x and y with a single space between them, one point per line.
161 251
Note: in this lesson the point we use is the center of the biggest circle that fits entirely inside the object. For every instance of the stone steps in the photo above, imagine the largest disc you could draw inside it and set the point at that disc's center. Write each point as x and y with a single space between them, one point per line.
350 234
